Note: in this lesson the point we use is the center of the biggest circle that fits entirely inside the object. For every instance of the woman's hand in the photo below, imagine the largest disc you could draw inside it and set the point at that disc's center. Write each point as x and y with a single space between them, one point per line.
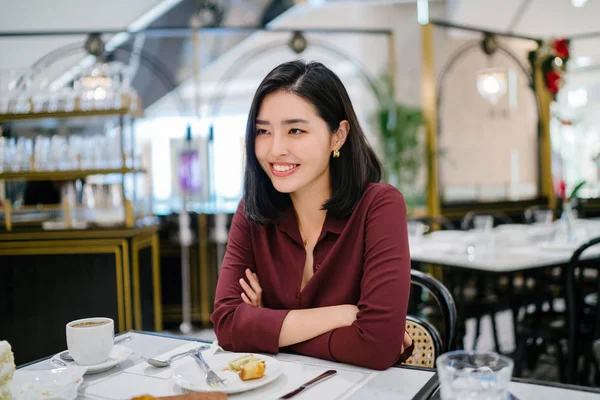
406 342
252 293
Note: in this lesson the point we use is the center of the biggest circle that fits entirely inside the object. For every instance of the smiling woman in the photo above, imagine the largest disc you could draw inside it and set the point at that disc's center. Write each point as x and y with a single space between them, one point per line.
317 260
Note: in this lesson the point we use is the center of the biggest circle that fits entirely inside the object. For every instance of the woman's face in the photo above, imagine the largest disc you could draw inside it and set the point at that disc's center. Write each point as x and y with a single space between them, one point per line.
294 144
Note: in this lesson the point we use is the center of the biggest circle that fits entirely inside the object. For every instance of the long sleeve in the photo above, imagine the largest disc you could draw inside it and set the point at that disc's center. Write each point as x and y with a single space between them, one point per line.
375 339
240 326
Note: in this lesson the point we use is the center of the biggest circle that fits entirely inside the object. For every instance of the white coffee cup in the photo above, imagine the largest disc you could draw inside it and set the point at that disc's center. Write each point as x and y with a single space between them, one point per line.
90 340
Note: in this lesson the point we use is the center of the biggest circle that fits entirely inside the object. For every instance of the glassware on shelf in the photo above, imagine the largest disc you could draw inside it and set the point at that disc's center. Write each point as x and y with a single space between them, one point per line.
74 152
3 153
101 87
58 153
42 153
15 87
61 153
23 154
10 149
112 149
40 92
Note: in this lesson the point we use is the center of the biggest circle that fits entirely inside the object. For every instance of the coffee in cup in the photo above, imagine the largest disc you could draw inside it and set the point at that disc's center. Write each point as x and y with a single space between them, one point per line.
88 324
90 340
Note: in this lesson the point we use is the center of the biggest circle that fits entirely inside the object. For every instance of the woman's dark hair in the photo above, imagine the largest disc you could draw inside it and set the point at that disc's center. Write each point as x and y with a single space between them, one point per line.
350 174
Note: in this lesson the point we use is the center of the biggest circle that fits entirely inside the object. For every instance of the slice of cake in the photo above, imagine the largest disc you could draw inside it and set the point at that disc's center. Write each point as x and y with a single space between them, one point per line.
7 369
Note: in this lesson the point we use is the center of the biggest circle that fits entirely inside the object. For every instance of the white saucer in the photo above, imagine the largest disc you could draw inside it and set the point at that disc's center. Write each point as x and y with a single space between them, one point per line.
188 374
59 383
117 355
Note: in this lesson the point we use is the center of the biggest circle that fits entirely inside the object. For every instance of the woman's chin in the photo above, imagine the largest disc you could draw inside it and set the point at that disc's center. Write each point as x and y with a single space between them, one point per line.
284 187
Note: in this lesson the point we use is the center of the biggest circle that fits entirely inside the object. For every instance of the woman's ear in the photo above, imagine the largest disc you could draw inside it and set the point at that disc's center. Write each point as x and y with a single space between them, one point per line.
340 135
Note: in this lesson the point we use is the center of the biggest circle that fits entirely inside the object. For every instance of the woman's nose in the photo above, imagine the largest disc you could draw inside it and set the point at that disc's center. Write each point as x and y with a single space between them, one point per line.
279 145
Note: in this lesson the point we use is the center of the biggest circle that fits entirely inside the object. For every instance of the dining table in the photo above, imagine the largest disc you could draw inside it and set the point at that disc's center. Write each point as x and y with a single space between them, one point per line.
135 377
507 248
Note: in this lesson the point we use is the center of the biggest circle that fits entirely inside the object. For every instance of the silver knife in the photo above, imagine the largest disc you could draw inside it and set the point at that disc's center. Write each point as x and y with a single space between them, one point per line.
320 378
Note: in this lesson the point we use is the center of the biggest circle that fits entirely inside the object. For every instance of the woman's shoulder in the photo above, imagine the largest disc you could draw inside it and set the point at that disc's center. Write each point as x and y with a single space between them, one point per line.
378 197
376 192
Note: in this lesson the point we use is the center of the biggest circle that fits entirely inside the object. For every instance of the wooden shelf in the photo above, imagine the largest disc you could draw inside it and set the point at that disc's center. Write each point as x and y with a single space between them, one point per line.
63 175
77 112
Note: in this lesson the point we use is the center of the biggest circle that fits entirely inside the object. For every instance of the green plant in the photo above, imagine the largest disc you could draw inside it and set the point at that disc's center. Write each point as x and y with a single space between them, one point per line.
399 126
575 190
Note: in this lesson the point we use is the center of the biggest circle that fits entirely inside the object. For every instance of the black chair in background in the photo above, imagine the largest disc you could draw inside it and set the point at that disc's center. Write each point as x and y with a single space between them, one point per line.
429 344
577 327
583 318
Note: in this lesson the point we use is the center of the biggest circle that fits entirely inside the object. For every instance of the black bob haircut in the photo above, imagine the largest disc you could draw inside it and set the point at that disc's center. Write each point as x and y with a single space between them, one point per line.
356 167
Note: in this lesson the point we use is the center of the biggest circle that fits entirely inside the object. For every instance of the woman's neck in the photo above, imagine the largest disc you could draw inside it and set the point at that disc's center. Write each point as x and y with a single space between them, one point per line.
308 205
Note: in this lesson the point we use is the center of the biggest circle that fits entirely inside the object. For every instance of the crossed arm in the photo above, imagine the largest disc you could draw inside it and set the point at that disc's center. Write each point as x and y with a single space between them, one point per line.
300 325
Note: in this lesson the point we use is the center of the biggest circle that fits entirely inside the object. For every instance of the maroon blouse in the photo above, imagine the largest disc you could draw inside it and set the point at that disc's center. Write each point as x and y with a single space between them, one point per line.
363 260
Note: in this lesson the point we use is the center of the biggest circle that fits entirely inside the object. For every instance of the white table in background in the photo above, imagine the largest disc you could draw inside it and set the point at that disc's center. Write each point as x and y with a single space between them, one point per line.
448 248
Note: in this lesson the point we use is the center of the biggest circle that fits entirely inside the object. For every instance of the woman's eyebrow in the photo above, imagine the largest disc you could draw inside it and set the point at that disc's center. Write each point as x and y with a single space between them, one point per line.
284 122
294 121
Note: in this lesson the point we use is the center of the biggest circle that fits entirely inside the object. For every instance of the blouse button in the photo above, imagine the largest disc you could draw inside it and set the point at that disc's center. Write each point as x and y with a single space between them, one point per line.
297 295
318 266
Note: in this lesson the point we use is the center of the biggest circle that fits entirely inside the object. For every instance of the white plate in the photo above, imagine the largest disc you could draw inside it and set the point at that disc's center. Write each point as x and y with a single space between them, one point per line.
190 376
59 383
117 355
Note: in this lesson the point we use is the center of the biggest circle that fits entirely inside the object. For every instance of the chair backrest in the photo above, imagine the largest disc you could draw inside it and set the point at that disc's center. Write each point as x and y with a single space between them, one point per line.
579 285
445 302
426 340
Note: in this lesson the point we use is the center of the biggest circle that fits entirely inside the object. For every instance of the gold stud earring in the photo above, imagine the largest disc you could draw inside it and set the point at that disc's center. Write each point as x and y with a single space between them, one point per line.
336 154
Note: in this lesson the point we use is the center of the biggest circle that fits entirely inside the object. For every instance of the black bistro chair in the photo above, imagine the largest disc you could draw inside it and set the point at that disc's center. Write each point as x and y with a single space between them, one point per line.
578 325
583 318
428 342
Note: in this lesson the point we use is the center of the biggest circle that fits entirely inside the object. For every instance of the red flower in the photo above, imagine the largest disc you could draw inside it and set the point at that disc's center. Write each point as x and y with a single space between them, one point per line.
561 48
561 189
553 81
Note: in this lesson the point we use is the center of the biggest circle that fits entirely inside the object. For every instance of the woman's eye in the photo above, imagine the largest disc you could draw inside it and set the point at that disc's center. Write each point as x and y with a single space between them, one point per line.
296 131
261 132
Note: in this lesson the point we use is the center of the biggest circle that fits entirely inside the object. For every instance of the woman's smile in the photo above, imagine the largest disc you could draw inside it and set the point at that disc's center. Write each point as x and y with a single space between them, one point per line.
283 169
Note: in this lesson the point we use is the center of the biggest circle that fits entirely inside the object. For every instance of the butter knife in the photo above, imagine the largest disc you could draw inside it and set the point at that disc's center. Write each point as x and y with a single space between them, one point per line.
325 375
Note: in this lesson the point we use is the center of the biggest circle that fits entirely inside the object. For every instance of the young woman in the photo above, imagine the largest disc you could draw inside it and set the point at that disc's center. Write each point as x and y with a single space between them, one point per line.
317 260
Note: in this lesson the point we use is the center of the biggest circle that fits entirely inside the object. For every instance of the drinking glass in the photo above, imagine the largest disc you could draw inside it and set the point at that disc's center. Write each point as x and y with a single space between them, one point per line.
543 216
483 222
474 375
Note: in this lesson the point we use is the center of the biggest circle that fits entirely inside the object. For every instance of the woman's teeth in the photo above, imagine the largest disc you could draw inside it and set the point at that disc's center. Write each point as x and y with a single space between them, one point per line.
283 168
